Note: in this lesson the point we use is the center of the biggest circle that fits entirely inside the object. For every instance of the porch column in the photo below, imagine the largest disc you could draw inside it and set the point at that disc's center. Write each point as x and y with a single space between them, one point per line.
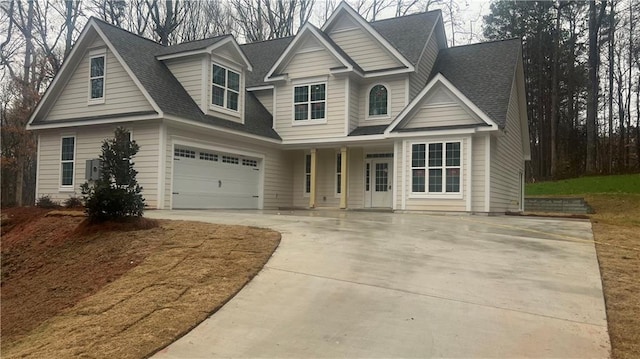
312 193
344 176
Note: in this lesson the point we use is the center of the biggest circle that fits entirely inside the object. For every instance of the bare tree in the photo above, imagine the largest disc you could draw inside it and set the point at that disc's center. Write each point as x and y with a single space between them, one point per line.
595 20
166 17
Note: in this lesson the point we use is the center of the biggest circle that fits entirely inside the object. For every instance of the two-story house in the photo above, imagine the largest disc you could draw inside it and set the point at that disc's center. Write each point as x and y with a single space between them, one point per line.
355 114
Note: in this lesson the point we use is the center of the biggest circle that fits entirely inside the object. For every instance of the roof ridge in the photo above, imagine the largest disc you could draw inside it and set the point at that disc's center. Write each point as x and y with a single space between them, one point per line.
203 39
262 41
124 30
405 16
483 43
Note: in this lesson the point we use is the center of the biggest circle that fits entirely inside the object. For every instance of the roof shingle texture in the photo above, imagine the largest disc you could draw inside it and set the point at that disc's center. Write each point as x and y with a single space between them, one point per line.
483 72
140 56
191 46
262 55
408 34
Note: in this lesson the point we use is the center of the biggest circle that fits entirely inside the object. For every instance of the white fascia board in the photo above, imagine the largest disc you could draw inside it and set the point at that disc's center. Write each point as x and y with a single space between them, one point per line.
129 72
345 139
306 28
222 129
387 73
181 54
434 132
441 79
46 126
258 88
343 6
63 73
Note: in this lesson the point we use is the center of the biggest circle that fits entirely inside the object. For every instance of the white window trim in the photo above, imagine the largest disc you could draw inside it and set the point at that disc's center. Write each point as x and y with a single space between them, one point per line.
224 107
304 177
338 171
436 195
309 121
367 95
92 55
71 187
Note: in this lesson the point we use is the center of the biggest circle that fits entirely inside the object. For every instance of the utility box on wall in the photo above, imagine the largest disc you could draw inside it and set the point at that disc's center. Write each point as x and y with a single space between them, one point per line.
92 170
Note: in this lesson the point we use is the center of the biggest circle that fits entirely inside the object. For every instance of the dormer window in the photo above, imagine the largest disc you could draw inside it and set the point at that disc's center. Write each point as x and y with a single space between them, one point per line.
378 101
97 70
309 102
225 88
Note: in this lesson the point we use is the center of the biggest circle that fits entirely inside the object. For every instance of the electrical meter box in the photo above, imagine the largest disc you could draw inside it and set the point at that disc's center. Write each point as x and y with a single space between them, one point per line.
92 170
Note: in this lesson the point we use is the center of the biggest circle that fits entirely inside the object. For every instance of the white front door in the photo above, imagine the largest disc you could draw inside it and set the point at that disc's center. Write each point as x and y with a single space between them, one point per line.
381 181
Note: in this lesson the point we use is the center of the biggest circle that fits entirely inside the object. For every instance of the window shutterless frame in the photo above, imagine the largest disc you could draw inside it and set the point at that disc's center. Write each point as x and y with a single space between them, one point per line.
67 162
97 76
378 102
436 169
225 87
309 103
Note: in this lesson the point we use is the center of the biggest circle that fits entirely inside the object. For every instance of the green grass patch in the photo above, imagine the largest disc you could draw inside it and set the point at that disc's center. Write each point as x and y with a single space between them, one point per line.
618 184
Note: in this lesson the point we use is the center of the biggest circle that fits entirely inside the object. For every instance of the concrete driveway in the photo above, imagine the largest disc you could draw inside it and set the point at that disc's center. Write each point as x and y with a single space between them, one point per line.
367 284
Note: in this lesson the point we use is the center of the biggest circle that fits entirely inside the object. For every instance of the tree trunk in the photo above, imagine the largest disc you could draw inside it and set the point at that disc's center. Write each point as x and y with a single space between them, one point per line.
612 34
554 96
595 19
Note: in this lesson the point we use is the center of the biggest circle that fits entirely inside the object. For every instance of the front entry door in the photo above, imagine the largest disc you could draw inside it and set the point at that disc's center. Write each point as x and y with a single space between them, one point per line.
381 182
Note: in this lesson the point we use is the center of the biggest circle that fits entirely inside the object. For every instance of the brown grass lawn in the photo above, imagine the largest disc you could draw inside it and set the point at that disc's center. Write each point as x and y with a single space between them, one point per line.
616 229
72 291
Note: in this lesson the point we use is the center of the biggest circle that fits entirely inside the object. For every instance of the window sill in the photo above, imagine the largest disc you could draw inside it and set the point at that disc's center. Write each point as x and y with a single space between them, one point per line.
306 195
66 189
96 101
225 110
377 117
436 196
320 121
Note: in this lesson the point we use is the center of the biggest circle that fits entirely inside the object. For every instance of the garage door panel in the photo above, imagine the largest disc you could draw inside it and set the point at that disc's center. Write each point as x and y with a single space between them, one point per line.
212 183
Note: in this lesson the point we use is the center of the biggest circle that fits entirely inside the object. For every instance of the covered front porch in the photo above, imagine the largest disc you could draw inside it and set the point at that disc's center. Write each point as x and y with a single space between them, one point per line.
344 177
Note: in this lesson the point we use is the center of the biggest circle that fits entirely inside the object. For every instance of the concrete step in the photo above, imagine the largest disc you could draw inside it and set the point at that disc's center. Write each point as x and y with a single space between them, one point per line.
557 205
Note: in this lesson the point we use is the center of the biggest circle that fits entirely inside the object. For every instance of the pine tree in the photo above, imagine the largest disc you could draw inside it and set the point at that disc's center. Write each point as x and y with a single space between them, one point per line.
116 194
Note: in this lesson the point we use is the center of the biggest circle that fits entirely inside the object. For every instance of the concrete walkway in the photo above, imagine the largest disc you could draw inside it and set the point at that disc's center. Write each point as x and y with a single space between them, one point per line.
363 284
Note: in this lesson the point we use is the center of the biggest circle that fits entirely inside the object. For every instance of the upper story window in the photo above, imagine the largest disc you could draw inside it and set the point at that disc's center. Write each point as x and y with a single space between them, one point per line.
436 167
97 71
225 88
378 101
310 102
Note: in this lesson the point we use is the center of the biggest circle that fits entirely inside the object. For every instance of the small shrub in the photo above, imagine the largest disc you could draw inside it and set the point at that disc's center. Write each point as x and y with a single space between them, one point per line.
46 202
73 202
116 194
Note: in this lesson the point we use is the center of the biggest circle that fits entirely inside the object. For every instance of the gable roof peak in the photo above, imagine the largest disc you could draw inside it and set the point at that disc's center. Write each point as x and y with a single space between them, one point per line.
103 22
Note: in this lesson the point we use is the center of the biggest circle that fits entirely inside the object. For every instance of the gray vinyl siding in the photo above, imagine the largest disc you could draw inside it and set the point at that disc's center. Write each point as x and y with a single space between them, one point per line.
396 90
441 115
478 153
304 65
266 99
88 143
418 79
121 94
276 164
507 160
354 104
364 49
188 71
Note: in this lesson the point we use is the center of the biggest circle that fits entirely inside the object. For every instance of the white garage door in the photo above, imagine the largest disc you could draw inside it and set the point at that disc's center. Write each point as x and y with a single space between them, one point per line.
211 179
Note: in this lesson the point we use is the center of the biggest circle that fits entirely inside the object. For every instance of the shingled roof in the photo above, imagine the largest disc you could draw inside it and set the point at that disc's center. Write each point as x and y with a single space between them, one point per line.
140 56
262 56
191 45
483 73
408 34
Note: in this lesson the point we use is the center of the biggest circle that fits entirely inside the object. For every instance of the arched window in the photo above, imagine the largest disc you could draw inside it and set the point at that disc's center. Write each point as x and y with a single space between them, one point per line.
378 101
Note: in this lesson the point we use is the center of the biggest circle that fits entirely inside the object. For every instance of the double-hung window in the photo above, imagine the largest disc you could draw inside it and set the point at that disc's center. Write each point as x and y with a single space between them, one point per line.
67 161
436 167
309 102
225 88
97 67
